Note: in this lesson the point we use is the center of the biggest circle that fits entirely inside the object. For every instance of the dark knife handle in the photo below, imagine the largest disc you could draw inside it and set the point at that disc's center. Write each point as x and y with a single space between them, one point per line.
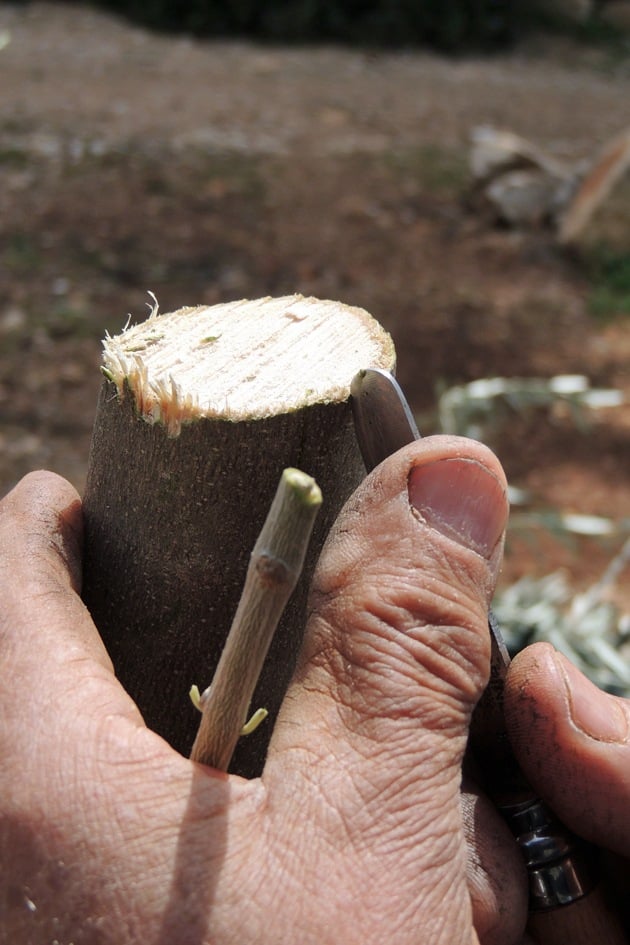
587 921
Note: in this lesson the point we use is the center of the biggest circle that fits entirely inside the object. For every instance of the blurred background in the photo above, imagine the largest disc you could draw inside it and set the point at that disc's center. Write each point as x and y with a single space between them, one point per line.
458 168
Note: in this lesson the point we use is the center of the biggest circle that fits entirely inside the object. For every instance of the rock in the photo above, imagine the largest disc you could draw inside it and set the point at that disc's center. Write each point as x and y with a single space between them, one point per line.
525 198
495 151
525 186
13 319
522 184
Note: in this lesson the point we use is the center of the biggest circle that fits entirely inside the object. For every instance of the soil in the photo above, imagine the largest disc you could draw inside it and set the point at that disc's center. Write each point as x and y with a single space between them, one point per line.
204 171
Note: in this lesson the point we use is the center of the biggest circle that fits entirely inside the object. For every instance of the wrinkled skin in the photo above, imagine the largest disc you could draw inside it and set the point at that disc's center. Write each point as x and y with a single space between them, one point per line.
357 831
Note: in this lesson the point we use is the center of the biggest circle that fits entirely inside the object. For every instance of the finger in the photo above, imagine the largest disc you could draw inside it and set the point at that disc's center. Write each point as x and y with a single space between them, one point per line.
41 533
49 646
573 741
42 510
396 654
495 871
91 802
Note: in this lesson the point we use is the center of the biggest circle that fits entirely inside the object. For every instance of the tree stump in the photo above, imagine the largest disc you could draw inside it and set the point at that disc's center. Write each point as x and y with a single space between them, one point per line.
199 413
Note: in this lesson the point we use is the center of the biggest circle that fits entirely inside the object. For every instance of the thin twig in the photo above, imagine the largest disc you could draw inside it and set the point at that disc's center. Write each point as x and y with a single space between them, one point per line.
275 566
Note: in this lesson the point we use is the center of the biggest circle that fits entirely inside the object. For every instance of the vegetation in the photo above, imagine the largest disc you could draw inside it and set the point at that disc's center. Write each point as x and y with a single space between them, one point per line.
609 275
588 627
447 24
452 25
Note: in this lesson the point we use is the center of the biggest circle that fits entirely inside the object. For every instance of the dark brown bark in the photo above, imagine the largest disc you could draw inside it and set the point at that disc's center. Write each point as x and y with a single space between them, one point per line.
170 524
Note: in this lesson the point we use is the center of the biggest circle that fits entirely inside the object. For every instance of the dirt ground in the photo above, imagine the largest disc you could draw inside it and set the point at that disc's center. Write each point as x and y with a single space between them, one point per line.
207 171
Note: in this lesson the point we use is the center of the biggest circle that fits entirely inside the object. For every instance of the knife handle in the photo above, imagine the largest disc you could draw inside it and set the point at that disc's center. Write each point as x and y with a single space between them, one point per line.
566 905
587 921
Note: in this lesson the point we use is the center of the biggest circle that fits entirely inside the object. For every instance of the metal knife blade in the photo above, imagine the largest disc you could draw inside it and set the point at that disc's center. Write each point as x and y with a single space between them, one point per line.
383 419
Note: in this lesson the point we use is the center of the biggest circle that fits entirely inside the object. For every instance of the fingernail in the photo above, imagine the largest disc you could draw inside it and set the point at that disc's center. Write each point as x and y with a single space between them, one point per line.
592 711
463 500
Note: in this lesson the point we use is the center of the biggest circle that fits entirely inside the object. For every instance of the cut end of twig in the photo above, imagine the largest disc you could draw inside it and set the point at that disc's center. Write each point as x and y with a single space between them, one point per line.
303 486
244 360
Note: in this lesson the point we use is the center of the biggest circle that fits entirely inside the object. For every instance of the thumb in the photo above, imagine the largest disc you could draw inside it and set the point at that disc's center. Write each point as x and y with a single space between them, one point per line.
396 654
579 760
49 648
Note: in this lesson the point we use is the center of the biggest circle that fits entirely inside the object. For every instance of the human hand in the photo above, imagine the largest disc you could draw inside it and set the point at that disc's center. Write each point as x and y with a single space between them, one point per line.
354 833
579 761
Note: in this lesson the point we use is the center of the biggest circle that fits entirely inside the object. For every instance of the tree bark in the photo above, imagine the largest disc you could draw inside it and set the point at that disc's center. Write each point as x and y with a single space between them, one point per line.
199 413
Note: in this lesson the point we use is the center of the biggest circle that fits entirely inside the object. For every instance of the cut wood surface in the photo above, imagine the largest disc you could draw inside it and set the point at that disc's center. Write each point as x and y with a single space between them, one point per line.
243 360
200 412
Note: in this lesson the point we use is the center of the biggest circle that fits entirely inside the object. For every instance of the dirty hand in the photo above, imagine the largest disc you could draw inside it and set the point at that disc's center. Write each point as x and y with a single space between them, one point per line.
355 831
580 759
